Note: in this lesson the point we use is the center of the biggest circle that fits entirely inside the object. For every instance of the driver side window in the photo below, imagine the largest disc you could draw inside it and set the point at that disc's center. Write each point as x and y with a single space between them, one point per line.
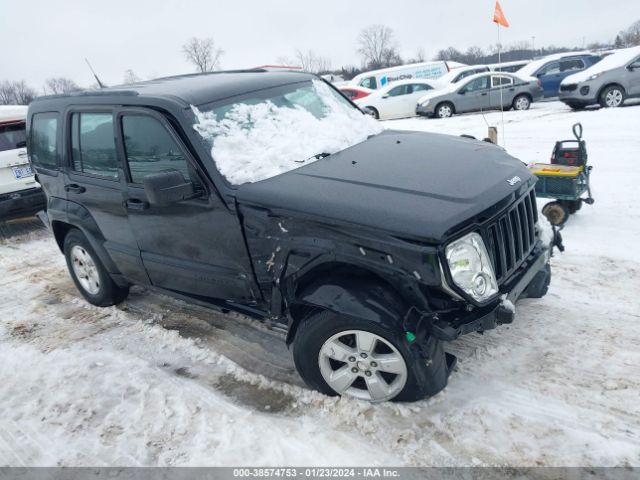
399 90
150 148
481 83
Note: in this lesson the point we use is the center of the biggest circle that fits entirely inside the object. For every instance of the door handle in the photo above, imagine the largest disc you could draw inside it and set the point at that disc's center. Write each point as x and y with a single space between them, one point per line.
74 188
136 205
22 154
484 94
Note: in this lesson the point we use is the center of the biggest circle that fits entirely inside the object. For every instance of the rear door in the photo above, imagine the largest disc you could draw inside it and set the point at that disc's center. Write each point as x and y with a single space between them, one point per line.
502 90
93 181
195 246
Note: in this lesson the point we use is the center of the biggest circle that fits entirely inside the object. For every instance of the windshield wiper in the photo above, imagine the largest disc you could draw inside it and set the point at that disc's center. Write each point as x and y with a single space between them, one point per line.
317 156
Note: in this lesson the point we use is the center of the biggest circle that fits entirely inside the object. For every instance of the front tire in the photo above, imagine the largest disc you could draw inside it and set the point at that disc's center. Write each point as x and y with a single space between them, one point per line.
612 97
340 355
89 274
521 102
373 112
444 110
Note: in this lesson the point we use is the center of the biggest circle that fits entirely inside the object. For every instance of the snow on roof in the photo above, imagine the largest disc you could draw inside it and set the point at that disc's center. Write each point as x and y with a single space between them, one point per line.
529 69
619 58
13 112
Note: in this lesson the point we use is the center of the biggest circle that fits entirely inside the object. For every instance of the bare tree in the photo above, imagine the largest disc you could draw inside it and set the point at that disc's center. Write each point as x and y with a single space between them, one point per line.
377 47
311 62
130 77
631 36
16 93
203 53
60 85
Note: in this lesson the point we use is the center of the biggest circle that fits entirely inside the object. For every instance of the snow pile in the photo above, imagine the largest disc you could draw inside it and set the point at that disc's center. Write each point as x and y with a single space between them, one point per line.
616 60
256 142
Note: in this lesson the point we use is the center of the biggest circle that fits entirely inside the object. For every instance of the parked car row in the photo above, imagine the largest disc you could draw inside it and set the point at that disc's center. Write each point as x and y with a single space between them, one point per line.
480 91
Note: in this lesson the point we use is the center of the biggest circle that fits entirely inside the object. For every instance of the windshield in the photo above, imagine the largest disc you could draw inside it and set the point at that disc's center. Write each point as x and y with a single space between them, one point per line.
265 133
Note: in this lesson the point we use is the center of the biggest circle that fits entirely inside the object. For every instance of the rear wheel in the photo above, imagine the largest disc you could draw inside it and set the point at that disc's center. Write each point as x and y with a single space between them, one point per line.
91 278
521 102
556 212
340 355
444 110
612 97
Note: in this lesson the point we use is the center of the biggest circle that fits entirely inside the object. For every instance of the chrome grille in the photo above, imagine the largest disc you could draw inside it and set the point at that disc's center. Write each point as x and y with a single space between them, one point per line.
511 237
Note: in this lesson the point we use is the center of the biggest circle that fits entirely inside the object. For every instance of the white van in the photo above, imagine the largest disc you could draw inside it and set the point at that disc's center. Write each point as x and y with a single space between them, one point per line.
20 194
379 78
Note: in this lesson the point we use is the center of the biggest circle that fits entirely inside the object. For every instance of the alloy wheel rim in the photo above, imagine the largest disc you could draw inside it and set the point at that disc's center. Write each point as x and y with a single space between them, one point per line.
613 98
363 365
85 270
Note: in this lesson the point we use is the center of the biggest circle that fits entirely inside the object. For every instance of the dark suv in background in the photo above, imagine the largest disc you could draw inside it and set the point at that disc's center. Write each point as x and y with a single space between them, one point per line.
368 256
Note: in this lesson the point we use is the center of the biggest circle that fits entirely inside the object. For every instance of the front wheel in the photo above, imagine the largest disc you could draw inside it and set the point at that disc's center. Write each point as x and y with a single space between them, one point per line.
444 110
521 102
89 274
367 360
373 112
612 97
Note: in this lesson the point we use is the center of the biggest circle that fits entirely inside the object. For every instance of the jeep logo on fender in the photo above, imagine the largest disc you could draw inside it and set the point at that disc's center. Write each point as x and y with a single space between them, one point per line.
514 180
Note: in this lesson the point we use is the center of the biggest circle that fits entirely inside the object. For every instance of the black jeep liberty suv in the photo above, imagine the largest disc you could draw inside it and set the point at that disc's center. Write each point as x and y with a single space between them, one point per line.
368 254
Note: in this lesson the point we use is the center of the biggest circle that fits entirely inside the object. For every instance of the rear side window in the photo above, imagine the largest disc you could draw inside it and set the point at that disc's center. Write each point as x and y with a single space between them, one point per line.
150 148
44 135
498 81
12 135
93 144
571 65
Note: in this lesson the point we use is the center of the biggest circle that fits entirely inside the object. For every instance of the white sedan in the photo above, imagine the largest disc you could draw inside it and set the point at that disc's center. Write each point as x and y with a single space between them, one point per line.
397 99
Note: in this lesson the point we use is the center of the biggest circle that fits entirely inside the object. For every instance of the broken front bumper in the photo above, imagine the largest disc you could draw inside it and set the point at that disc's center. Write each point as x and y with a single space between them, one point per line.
531 280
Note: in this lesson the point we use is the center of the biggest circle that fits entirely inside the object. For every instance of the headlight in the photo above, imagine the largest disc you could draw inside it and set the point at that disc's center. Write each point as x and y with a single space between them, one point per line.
595 75
424 103
470 267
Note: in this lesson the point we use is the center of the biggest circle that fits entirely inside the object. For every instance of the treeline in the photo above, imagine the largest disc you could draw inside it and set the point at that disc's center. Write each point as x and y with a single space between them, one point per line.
376 47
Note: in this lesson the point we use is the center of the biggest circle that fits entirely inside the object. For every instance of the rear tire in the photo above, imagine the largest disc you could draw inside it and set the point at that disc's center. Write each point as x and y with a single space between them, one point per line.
89 274
521 102
612 97
328 349
556 212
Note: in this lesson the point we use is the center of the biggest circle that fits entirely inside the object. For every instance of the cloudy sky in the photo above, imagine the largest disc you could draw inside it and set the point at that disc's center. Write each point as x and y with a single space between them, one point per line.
45 38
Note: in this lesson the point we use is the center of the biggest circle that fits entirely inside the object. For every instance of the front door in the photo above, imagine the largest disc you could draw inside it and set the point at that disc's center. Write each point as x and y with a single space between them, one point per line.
474 95
94 181
632 74
195 247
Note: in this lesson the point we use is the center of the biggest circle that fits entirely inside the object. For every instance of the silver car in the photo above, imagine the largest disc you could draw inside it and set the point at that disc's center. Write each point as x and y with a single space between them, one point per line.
483 91
608 83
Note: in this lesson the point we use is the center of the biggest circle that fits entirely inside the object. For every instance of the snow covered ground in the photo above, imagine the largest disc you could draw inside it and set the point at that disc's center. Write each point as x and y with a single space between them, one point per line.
155 381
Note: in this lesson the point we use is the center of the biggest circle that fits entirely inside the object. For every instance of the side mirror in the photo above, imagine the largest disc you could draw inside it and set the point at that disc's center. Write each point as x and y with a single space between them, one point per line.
22 144
385 96
462 92
167 187
633 67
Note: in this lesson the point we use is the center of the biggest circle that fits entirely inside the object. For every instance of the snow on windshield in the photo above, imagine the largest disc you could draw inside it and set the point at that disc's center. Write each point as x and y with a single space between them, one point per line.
254 141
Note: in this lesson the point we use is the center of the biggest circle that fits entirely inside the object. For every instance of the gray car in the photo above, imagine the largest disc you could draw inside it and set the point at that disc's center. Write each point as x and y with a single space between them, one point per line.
483 91
608 83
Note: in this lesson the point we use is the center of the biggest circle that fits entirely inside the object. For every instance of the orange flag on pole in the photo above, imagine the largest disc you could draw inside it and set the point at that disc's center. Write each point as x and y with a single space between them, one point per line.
498 16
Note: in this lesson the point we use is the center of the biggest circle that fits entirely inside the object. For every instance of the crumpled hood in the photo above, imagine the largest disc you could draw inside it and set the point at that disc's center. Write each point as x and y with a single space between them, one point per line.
412 184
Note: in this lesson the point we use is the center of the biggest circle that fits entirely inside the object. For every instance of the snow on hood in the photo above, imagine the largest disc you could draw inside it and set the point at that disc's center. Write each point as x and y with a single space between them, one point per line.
615 60
259 141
